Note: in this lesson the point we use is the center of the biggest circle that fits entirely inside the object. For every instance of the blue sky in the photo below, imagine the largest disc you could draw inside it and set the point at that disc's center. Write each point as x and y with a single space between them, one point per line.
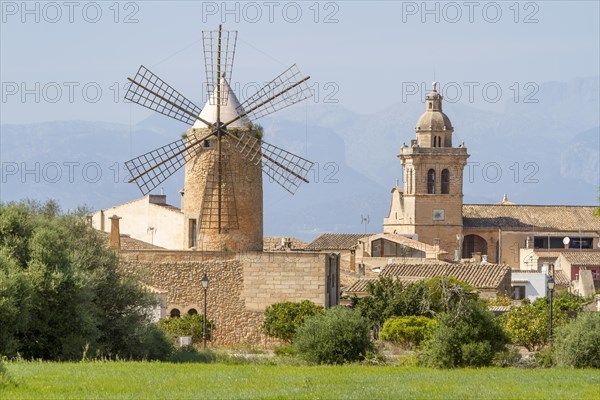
363 55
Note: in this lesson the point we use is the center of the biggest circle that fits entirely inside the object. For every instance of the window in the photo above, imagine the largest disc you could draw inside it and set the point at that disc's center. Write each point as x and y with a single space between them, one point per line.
431 181
193 239
518 292
387 248
445 181
430 105
556 242
192 311
175 313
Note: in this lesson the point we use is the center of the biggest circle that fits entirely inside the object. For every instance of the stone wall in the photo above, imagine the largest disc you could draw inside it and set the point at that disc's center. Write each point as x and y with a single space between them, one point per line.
241 285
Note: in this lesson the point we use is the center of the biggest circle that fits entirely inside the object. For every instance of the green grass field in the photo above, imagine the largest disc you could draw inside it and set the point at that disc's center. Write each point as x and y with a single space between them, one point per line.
143 380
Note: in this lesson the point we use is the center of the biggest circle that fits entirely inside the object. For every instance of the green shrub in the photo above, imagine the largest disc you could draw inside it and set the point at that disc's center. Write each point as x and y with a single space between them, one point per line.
283 319
467 336
188 325
190 355
286 351
578 343
408 332
338 336
509 358
544 357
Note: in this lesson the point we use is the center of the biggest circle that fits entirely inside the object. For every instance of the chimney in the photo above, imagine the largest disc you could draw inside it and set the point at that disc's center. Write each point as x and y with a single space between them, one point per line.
115 233
436 243
476 258
484 259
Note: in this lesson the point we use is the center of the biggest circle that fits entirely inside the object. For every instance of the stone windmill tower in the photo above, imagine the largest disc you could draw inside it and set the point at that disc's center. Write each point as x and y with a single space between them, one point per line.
223 152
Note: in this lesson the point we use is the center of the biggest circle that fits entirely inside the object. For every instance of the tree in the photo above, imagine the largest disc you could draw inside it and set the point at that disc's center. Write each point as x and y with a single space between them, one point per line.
283 319
334 337
578 343
466 335
62 293
388 298
529 324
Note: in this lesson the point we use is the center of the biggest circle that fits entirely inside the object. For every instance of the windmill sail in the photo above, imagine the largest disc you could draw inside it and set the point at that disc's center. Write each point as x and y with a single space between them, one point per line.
218 210
287 169
219 51
148 90
151 169
286 89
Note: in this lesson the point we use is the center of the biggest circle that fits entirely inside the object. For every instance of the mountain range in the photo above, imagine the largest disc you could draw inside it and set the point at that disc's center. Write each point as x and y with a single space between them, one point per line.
536 153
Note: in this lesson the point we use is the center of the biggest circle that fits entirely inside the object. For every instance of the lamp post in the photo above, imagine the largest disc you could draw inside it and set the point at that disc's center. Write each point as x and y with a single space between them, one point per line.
204 286
550 285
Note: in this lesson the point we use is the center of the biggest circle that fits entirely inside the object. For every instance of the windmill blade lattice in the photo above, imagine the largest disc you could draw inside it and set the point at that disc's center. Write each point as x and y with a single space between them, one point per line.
286 89
219 210
151 169
148 90
285 168
219 51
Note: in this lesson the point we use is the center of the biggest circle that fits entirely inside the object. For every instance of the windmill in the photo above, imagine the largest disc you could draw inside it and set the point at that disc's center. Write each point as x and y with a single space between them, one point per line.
223 152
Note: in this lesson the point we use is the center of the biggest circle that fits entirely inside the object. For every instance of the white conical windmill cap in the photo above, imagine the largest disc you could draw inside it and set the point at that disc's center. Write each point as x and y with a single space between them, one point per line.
229 110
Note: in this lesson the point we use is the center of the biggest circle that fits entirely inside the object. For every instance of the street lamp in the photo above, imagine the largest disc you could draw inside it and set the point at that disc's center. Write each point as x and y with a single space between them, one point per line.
550 285
204 286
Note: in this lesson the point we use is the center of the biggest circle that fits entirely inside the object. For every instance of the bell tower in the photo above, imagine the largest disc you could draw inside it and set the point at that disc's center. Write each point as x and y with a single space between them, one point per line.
429 206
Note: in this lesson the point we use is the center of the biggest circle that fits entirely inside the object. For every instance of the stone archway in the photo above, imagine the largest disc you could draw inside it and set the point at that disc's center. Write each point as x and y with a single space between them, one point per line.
473 244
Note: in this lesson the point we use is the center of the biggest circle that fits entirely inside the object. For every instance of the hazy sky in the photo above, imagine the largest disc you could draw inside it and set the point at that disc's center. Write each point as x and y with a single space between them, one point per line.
70 60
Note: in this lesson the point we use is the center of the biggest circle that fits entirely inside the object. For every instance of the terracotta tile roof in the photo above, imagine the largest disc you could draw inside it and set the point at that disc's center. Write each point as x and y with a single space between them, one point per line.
551 218
360 286
478 275
336 241
271 243
583 257
561 278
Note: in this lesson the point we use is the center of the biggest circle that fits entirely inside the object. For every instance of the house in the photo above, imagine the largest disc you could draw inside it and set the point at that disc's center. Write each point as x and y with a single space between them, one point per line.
490 280
149 219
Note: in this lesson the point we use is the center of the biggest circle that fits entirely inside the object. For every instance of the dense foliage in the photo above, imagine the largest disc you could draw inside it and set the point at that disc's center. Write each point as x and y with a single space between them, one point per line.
529 324
408 332
578 343
390 298
467 335
337 336
62 296
283 319
188 325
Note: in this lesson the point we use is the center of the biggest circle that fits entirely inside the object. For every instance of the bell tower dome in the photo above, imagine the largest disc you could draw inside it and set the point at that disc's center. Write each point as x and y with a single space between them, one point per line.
434 128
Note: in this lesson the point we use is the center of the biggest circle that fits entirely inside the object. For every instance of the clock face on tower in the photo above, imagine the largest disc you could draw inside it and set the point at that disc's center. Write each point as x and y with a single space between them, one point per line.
438 215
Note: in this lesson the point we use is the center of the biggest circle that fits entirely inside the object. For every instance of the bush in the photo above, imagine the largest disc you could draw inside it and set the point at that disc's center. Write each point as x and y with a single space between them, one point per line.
467 336
340 335
285 351
188 325
283 319
578 343
509 358
191 355
408 332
